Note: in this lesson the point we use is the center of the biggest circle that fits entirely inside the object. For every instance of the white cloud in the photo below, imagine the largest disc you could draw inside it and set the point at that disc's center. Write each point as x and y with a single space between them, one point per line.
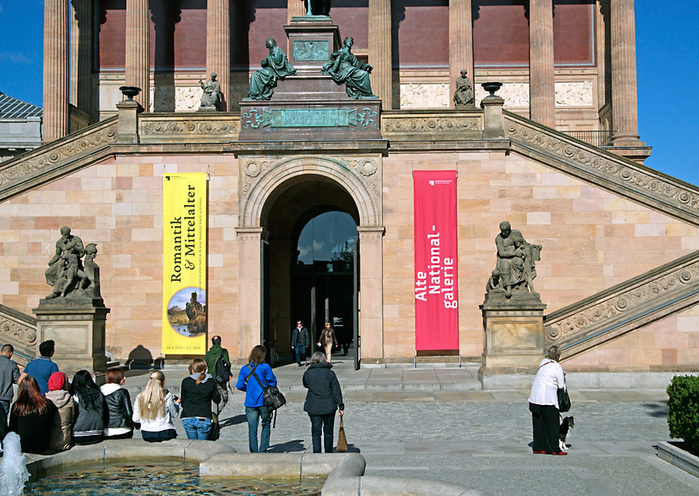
13 57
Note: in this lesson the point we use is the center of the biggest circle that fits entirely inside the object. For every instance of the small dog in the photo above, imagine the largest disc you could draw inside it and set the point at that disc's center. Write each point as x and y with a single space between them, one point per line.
563 432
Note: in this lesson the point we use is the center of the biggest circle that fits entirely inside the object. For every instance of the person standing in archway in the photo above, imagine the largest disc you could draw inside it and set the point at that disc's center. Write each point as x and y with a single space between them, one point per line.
300 339
328 340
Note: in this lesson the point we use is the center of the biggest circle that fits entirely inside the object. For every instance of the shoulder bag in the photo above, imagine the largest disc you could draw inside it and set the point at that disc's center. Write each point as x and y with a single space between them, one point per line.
562 393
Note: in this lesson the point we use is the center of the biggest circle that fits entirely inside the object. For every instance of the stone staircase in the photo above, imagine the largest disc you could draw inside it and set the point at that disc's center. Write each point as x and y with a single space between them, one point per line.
57 159
603 168
632 304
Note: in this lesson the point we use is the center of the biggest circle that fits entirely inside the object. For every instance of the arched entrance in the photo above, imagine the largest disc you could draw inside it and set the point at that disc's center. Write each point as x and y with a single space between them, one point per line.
308 259
278 200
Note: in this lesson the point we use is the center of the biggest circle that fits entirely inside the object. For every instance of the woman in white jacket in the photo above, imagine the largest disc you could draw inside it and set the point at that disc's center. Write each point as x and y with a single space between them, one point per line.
543 403
154 409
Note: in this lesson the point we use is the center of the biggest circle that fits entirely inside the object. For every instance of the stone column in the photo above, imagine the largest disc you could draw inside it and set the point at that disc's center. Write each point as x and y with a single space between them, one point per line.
371 290
460 43
138 49
624 89
295 8
542 84
56 76
380 51
218 45
81 84
249 288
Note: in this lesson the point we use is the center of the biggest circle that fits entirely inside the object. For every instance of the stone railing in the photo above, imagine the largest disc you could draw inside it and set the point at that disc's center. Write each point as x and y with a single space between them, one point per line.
605 169
19 330
194 127
625 307
56 159
447 124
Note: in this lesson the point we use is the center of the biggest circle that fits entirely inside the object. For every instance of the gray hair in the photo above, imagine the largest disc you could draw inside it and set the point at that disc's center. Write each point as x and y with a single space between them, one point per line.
319 357
554 352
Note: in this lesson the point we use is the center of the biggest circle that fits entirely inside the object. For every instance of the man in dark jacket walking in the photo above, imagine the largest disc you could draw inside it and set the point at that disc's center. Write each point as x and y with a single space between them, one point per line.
211 358
300 339
323 398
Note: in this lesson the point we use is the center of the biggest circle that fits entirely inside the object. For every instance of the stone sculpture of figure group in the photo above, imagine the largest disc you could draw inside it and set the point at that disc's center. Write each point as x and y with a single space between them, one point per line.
70 275
515 269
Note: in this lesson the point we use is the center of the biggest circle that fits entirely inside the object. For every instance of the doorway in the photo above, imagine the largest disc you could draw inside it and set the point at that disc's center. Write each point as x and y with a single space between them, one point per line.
323 276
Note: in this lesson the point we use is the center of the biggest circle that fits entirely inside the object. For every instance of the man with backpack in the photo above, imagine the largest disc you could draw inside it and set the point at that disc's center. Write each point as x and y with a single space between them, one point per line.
219 365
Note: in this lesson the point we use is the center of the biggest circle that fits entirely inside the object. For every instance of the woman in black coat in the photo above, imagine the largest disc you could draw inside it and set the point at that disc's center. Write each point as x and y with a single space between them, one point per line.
198 391
323 398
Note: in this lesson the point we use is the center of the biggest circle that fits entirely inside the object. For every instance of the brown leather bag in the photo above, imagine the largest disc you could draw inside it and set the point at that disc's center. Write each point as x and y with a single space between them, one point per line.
341 439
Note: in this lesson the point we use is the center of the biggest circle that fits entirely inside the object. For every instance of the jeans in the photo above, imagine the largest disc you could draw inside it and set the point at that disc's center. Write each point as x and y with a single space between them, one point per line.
197 428
300 354
253 415
324 423
5 406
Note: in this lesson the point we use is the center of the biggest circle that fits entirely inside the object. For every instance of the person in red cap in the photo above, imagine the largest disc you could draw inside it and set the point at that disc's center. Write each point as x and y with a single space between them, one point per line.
62 429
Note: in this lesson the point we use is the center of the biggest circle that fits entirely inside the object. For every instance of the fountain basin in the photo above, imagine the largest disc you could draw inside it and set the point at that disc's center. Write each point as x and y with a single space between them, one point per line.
216 459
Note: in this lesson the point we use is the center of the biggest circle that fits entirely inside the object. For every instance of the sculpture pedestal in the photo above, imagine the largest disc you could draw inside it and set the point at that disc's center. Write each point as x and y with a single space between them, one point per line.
513 340
77 327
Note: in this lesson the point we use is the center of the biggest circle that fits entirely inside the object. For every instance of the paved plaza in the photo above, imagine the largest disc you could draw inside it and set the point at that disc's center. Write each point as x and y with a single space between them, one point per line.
435 423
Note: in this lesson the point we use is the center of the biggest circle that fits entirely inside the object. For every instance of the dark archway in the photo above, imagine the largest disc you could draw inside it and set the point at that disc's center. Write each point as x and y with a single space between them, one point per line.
291 287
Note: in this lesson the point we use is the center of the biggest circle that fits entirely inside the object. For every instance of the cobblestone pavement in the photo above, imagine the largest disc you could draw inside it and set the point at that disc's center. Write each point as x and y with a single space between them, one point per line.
481 439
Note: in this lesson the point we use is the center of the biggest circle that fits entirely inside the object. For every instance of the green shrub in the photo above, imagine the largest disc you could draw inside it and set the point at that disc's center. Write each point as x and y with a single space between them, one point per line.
683 414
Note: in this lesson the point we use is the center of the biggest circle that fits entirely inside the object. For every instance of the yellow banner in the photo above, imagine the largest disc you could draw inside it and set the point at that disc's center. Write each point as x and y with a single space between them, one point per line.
184 264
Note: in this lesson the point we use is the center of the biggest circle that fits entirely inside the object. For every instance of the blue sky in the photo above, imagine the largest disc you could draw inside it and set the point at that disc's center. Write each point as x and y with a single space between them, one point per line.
668 74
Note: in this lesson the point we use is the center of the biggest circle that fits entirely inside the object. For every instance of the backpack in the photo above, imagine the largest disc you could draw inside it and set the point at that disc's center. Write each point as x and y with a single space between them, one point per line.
223 370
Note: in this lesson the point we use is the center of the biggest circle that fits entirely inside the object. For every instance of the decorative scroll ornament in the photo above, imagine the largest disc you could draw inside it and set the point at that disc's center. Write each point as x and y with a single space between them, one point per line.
16 331
432 124
189 127
256 118
369 169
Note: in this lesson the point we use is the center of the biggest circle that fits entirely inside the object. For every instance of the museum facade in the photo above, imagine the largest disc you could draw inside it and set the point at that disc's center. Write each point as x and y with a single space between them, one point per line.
311 196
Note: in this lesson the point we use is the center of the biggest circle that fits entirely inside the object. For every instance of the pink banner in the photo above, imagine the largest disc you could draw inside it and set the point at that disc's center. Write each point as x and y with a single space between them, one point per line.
436 258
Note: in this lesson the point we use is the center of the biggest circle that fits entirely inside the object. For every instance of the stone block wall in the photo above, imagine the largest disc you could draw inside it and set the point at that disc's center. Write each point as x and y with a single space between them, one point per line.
118 205
592 239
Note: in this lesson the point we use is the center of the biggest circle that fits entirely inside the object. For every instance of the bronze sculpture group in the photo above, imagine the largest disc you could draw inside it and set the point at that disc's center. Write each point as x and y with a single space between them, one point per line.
275 66
345 68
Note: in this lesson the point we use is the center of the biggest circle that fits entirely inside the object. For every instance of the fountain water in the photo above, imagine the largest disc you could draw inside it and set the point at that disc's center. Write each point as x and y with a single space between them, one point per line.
13 472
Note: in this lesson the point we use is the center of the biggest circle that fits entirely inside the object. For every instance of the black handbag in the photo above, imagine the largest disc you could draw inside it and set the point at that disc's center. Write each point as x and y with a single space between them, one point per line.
215 432
563 400
271 395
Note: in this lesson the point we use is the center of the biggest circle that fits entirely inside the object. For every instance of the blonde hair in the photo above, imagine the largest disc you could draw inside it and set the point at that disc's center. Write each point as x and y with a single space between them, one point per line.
198 365
151 401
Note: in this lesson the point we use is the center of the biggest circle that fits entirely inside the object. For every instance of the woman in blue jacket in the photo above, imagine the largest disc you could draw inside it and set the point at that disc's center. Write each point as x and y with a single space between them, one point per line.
253 378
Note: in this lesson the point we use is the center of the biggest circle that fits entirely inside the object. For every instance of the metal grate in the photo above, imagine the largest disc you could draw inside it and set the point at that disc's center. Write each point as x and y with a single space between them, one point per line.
597 138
